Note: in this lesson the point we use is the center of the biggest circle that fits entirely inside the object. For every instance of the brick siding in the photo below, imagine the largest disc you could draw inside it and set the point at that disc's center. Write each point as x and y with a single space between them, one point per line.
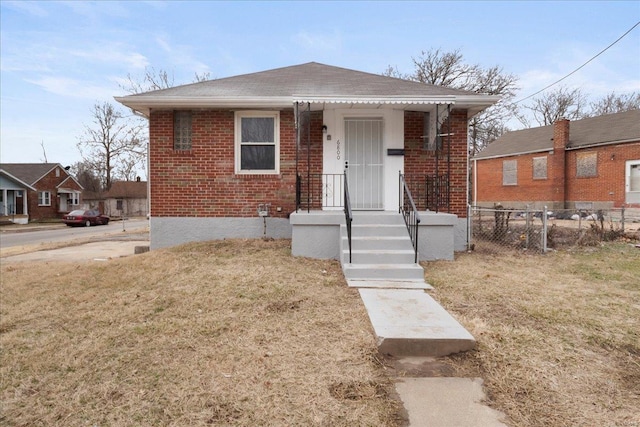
559 190
202 182
49 183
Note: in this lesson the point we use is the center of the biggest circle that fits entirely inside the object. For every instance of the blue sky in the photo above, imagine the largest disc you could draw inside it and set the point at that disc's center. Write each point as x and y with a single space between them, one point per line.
57 59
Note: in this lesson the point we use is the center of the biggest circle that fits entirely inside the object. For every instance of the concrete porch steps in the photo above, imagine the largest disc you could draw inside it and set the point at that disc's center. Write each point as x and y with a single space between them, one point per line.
406 320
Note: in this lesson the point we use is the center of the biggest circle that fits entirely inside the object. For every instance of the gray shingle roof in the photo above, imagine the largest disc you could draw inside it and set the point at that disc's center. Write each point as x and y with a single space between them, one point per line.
310 82
28 172
601 130
306 79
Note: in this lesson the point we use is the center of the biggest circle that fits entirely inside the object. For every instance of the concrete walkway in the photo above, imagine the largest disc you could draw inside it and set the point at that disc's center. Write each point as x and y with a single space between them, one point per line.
447 402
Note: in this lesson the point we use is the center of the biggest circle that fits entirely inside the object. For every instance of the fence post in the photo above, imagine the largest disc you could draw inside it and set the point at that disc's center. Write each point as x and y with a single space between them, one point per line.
527 226
622 218
469 225
544 230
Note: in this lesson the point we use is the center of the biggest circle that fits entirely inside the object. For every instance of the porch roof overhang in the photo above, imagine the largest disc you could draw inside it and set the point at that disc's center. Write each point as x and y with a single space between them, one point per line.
144 105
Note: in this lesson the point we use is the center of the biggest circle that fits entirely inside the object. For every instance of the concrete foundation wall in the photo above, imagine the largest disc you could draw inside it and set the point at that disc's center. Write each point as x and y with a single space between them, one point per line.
436 236
167 232
316 234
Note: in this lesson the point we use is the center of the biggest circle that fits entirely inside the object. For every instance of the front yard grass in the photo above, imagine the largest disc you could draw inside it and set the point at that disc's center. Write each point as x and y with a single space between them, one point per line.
238 332
220 333
558 334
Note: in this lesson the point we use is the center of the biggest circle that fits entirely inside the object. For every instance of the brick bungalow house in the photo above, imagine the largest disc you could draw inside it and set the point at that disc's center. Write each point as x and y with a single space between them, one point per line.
267 153
592 163
34 191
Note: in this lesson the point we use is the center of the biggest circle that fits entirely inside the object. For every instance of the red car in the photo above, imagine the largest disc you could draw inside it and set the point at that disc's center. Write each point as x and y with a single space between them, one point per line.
85 217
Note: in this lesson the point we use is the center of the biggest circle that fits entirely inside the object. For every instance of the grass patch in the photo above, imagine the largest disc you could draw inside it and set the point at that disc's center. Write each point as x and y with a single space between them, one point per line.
221 333
558 335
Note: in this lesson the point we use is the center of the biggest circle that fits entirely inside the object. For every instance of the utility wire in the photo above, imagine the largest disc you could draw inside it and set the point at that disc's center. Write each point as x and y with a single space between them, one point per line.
580 67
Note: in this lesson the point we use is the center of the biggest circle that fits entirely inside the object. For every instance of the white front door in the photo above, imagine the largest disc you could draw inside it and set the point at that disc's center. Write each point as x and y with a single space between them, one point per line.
364 162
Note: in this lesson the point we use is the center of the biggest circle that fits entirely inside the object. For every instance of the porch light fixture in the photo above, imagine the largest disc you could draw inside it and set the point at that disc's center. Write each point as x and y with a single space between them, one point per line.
324 128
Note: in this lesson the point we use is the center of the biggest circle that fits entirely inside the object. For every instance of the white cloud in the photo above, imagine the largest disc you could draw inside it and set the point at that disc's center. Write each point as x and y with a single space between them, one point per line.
318 41
74 88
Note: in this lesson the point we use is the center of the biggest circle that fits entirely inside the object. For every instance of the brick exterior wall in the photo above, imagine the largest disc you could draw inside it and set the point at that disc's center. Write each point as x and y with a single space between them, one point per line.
420 161
49 183
562 188
201 182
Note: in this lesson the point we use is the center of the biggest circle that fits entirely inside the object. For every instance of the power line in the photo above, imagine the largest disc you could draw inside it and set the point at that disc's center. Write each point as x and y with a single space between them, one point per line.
580 67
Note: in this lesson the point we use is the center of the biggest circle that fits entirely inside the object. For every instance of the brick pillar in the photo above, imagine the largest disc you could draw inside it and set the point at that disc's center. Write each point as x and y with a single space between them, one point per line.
558 162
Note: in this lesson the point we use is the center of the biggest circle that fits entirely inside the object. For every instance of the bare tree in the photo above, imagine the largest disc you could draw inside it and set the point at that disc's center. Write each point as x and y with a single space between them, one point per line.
44 152
613 103
449 69
111 140
560 103
85 173
151 80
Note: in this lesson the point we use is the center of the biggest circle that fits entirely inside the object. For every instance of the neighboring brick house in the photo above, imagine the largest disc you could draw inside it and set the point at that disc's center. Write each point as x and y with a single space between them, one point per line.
284 139
592 163
35 191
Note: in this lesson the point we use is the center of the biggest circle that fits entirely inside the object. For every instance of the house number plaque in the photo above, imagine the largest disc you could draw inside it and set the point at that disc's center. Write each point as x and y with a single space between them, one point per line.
338 149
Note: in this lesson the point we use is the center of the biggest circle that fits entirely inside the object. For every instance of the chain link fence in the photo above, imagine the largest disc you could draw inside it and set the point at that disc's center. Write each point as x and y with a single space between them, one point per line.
538 230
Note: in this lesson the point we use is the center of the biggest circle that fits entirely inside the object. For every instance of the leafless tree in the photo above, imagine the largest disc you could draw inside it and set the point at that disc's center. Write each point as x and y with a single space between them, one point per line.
155 80
85 173
613 103
44 152
112 140
560 103
449 69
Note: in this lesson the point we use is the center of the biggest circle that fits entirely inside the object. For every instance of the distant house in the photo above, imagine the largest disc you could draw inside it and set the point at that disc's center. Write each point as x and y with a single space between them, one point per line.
126 198
592 163
34 191
284 143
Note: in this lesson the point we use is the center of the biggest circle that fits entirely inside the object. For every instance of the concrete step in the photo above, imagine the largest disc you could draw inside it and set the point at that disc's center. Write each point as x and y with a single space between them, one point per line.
390 284
374 243
379 256
383 271
360 217
378 230
409 322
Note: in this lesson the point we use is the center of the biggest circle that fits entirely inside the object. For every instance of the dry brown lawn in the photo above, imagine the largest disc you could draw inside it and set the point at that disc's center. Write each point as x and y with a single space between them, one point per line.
219 333
558 334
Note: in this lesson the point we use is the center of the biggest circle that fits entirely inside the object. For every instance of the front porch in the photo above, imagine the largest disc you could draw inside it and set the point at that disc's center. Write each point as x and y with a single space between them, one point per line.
316 233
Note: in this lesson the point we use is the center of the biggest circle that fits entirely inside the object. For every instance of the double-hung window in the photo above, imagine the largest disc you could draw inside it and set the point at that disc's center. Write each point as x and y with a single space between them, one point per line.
44 198
257 149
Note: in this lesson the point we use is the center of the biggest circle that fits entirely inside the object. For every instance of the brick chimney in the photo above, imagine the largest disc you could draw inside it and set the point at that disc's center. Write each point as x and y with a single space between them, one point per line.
558 162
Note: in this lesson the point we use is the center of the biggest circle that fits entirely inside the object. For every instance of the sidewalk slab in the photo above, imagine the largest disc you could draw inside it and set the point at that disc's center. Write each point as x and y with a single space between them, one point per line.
447 402
389 284
409 322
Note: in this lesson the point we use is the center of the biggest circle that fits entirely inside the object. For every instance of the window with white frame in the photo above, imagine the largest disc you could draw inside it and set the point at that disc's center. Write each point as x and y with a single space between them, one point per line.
257 136
509 172
632 181
75 198
44 198
182 130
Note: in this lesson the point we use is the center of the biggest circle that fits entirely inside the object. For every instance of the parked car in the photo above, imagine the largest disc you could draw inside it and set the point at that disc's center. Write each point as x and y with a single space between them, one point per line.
85 218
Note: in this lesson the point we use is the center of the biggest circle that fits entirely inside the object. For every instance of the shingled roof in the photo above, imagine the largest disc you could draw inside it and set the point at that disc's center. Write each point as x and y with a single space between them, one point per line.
594 131
311 82
29 172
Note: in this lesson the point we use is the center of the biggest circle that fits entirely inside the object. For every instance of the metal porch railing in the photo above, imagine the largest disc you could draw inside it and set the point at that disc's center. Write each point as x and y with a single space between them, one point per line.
409 212
348 215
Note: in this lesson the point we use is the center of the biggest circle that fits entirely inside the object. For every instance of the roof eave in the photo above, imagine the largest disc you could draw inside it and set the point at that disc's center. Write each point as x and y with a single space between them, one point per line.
475 103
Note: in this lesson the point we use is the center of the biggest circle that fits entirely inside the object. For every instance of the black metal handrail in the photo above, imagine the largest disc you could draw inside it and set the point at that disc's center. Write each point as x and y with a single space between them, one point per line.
320 190
410 214
348 215
430 192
